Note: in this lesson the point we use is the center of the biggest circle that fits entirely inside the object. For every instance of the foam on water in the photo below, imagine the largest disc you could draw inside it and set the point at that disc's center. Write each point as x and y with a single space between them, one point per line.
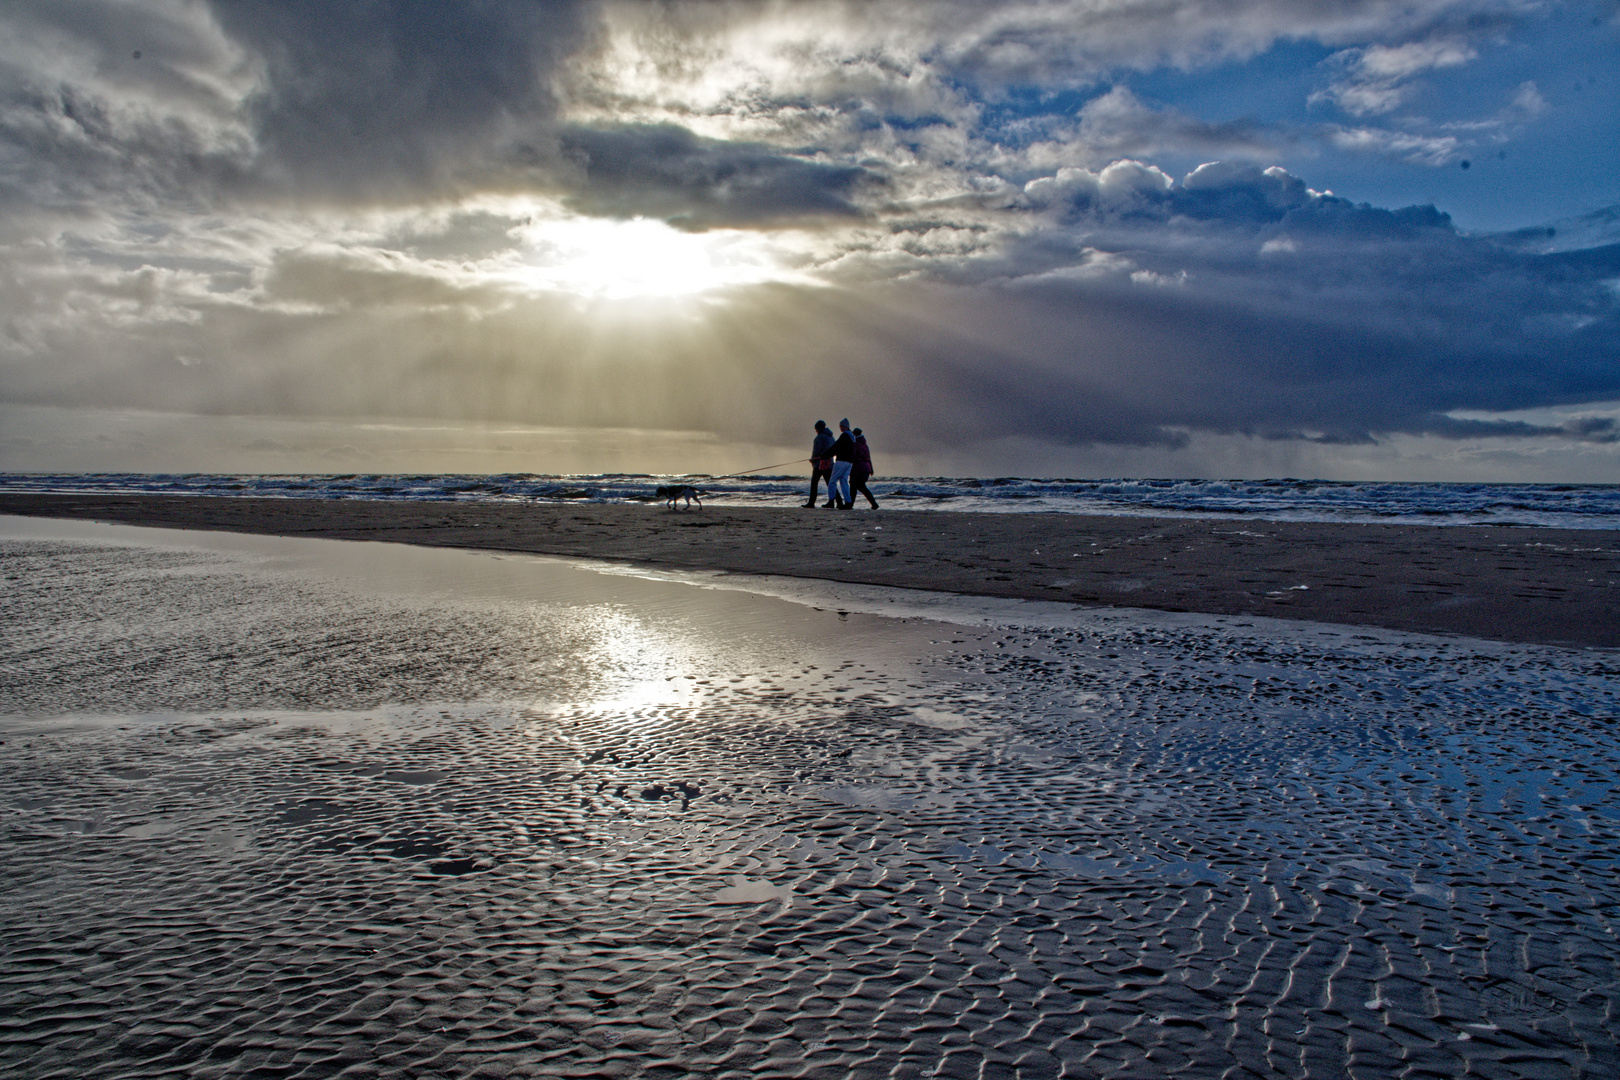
312 808
1571 506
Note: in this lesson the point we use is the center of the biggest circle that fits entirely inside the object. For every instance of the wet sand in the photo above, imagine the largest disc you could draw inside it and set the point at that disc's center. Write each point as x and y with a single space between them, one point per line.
296 808
1550 586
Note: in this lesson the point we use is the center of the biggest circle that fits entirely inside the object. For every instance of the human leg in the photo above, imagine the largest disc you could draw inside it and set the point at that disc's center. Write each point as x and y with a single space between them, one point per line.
816 478
838 486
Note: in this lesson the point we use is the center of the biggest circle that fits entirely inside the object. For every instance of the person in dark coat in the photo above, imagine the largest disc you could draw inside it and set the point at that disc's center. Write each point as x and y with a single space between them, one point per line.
862 470
820 461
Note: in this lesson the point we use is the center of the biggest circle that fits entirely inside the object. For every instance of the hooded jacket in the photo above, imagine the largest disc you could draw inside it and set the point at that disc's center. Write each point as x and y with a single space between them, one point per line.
844 448
821 447
863 457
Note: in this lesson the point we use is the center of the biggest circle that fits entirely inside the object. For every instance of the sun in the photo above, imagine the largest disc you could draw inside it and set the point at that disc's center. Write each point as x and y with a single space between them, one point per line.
641 258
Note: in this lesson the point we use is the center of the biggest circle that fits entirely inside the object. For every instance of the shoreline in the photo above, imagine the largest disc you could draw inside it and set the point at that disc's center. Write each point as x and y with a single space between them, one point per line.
1501 583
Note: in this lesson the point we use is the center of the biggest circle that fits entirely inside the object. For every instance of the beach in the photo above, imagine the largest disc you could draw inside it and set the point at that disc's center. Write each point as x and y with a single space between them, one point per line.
1553 586
651 807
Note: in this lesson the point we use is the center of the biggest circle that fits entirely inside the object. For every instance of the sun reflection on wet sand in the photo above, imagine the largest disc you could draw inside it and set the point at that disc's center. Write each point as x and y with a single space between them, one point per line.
280 804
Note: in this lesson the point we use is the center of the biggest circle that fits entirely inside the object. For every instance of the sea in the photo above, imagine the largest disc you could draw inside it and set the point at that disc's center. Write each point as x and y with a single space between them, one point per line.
1568 506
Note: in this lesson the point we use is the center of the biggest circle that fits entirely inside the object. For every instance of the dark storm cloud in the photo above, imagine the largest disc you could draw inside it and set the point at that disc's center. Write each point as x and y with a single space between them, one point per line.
278 99
124 100
381 94
1320 351
1591 429
1239 301
244 102
667 172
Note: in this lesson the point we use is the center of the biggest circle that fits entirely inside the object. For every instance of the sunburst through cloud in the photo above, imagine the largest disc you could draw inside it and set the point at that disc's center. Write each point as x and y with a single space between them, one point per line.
1046 237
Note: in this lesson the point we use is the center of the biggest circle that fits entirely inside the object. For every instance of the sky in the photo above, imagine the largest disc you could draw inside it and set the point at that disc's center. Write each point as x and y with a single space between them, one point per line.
1340 239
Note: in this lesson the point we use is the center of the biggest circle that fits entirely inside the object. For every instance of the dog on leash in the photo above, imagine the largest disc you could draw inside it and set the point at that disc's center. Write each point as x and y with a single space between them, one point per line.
674 493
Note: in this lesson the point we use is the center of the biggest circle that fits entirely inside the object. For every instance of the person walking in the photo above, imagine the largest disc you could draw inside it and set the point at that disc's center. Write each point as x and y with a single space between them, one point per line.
821 461
862 470
843 453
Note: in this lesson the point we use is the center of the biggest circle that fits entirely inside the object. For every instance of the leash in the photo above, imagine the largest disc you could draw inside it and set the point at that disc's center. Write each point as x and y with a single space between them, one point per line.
747 472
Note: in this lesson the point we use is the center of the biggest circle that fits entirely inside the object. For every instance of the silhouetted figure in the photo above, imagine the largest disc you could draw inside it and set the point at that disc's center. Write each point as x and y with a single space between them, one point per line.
862 472
820 461
843 452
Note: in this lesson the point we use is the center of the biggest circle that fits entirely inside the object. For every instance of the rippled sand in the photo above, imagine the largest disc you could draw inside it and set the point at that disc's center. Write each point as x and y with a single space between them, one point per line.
301 808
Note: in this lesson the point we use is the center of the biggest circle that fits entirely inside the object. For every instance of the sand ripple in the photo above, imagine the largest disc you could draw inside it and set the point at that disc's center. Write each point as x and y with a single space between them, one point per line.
1135 849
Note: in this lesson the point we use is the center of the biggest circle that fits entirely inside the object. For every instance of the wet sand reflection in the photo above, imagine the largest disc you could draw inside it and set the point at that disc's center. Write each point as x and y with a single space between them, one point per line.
438 812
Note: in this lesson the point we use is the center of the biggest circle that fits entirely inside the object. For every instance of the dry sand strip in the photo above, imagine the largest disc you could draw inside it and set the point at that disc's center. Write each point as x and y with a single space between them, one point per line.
1549 586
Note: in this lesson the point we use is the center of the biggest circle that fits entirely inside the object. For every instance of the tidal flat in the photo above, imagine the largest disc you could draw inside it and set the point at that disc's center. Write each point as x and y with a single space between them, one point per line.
316 808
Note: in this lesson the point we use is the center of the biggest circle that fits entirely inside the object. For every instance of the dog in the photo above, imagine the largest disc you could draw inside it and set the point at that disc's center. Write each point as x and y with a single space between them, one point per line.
674 493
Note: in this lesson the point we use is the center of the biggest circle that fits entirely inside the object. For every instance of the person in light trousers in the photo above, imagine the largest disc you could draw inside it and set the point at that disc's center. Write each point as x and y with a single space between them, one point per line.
844 455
